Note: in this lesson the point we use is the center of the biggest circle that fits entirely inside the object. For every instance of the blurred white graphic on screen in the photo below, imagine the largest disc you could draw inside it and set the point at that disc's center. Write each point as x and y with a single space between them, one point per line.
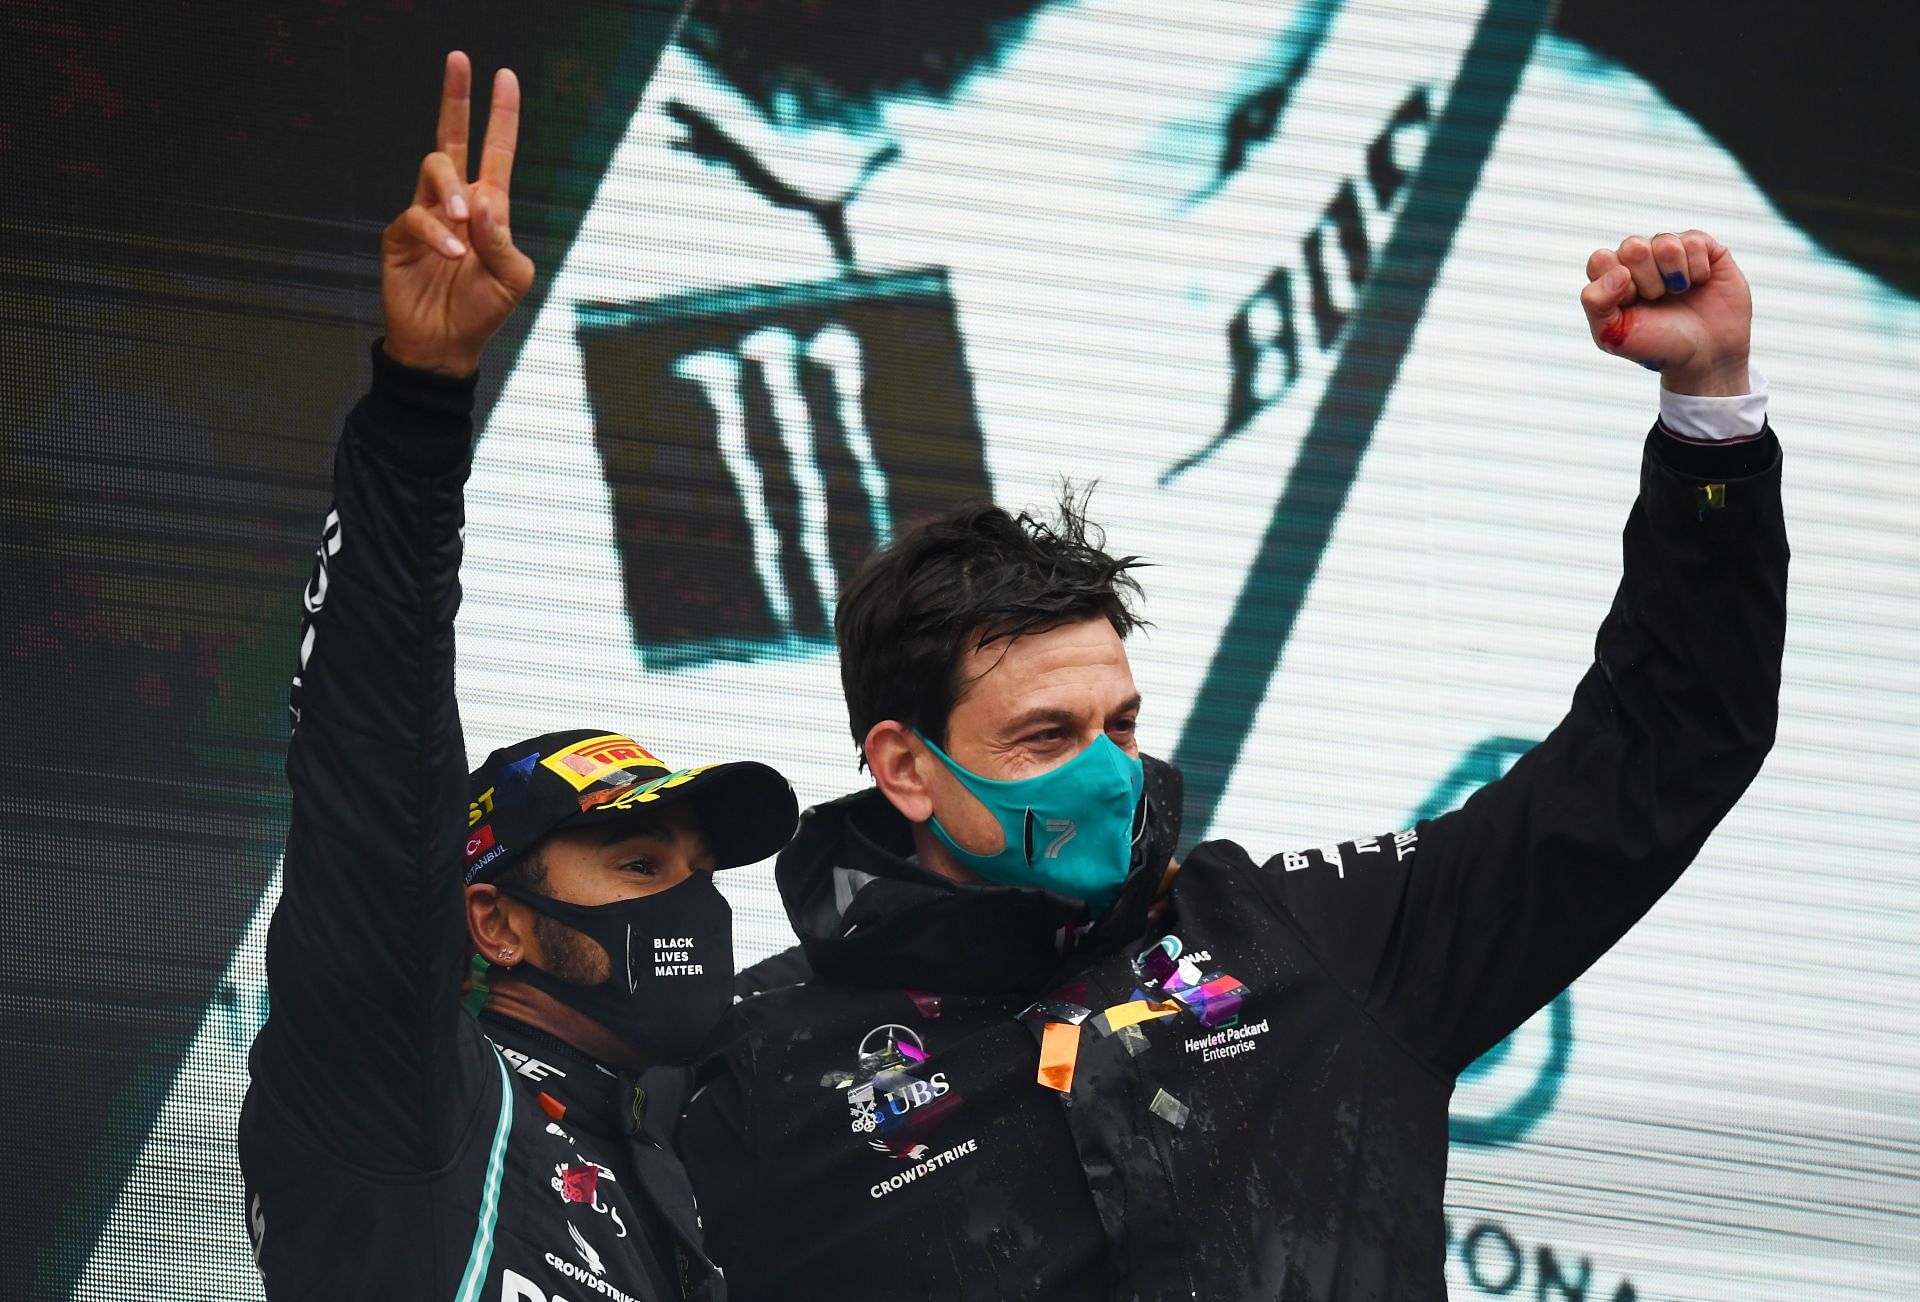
1110 255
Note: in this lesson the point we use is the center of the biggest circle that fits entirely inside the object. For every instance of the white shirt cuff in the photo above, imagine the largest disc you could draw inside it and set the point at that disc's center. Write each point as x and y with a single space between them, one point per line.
1717 420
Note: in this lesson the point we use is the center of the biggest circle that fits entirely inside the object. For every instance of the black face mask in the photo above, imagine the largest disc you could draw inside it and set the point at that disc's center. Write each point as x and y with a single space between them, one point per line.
672 957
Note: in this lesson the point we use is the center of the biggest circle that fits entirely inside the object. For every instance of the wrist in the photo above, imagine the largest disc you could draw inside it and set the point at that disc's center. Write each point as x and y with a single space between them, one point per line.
1714 418
434 361
416 419
1725 378
420 388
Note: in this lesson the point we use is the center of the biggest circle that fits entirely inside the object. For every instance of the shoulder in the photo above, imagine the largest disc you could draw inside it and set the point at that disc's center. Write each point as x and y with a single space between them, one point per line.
766 1028
1220 860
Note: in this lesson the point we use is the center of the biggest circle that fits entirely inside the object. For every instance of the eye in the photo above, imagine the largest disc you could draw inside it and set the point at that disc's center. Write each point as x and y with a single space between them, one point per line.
643 866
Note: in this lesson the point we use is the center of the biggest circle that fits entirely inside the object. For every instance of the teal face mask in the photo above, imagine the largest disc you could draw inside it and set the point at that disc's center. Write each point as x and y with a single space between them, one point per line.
1069 830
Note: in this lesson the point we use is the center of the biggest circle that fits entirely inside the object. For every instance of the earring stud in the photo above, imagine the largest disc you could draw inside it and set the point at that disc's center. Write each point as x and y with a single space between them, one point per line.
505 954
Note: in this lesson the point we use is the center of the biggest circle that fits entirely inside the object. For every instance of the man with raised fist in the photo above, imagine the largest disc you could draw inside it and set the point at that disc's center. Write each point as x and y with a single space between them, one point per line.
1027 1069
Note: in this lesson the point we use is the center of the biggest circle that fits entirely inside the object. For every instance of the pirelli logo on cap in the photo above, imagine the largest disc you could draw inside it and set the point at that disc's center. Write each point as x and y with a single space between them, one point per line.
587 762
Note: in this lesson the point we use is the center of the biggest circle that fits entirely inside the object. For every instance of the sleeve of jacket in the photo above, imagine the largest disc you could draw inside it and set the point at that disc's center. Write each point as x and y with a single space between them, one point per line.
715 1140
1452 933
365 1051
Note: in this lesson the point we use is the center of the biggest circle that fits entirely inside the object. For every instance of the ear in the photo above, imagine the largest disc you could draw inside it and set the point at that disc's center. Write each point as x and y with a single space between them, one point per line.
490 926
896 758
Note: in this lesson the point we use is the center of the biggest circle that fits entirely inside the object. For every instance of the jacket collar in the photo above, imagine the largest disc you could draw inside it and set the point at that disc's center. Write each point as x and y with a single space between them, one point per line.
597 1098
867 915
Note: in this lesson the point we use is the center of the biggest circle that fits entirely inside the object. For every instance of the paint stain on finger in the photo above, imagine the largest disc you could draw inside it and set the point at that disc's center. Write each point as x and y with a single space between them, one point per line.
1616 334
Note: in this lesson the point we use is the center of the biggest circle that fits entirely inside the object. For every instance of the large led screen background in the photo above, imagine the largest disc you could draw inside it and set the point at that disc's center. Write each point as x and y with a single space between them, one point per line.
1292 283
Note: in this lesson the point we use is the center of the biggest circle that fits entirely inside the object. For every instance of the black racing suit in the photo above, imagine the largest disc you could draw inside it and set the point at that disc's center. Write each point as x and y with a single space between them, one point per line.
389 1150
1302 1152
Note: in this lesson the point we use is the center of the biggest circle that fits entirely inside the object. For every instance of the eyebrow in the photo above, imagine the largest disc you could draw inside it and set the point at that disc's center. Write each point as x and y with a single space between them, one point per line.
1057 715
619 832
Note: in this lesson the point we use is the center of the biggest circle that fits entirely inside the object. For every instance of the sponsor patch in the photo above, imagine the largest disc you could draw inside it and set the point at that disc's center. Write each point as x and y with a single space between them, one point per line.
588 1253
617 799
893 1109
1229 1042
587 762
480 841
585 1183
579 1184
926 1166
473 869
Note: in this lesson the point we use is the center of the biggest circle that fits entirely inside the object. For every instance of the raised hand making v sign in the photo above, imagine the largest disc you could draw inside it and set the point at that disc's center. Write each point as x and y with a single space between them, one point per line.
449 272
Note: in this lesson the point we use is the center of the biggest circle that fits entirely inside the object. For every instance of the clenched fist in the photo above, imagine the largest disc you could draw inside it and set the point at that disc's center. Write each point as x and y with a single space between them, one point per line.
449 273
1676 304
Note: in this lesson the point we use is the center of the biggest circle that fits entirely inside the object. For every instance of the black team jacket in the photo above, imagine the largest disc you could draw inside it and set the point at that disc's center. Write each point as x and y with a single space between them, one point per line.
392 1145
879 1131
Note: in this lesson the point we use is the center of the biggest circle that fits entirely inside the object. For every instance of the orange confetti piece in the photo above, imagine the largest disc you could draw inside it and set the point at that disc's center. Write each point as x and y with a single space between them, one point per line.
1137 1011
1059 1050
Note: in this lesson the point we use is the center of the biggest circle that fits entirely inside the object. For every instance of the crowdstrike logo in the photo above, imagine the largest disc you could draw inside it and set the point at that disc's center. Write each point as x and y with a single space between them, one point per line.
515 1287
586 1250
901 1179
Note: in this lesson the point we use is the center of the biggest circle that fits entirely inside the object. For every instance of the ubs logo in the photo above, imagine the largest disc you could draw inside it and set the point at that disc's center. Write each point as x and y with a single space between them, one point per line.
888 1103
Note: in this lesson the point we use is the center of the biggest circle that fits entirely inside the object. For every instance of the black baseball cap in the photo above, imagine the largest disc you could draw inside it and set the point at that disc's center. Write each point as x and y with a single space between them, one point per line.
589 777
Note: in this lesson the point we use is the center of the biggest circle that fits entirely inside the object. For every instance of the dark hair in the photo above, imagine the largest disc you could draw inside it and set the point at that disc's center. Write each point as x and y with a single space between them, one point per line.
528 873
967 579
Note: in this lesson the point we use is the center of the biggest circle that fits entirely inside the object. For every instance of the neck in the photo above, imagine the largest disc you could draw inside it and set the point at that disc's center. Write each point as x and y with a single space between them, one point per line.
934 856
510 997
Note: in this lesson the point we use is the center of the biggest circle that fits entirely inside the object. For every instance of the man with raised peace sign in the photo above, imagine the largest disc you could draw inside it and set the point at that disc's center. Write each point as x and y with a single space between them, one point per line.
394 1146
